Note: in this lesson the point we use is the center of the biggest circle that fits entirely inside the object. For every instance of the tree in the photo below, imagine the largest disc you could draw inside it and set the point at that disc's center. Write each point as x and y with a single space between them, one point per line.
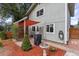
78 23
1 28
17 10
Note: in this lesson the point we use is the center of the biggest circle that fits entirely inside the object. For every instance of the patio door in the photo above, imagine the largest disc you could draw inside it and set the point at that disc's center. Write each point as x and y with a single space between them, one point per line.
41 30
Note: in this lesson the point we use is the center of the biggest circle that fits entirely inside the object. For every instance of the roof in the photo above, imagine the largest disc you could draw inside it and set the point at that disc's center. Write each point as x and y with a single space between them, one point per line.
21 20
31 8
28 22
71 7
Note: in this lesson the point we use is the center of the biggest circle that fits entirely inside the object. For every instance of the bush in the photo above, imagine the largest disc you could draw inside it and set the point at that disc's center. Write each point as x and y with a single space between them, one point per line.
26 45
15 31
1 45
2 35
53 49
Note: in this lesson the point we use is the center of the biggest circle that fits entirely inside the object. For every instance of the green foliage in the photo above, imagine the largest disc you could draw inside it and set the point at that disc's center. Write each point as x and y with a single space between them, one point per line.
17 10
1 28
15 31
53 49
2 35
1 45
78 23
26 45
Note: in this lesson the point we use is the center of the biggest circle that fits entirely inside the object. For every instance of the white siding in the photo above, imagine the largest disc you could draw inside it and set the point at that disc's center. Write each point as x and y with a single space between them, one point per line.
54 13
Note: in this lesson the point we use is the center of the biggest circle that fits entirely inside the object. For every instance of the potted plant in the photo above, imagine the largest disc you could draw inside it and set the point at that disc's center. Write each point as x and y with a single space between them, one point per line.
26 45
52 49
9 35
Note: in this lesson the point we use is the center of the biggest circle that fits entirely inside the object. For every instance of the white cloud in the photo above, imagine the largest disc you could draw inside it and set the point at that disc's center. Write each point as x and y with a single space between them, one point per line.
9 20
77 10
74 21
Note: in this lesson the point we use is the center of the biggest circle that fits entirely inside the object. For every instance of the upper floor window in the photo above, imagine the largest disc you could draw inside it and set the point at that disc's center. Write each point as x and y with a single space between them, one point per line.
40 12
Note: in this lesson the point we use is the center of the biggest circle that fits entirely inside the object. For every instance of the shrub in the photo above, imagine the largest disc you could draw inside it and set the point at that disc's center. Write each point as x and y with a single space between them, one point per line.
26 45
1 45
2 35
15 31
53 49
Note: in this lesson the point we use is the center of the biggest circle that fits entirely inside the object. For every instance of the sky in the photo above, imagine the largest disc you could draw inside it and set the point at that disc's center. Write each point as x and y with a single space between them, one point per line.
77 10
9 20
74 20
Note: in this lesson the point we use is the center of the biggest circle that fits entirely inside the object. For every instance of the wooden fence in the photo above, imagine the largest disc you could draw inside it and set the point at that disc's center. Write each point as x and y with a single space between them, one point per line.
74 33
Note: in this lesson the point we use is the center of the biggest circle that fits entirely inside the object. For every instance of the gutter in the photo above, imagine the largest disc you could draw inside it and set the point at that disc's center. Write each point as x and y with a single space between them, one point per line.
21 20
31 8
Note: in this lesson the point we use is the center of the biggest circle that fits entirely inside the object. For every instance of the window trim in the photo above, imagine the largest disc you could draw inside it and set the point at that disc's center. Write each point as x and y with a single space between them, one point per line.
33 28
41 12
37 28
38 13
49 28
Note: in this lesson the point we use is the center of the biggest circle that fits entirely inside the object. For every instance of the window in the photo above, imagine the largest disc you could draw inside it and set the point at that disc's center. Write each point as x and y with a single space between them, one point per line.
50 28
37 28
47 28
33 28
40 12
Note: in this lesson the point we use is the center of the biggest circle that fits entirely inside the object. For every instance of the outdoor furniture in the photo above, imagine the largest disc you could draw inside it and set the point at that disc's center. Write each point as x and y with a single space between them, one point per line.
37 39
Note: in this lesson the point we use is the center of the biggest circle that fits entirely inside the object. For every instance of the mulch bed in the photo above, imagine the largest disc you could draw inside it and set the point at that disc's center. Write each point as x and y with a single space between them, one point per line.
58 52
14 50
